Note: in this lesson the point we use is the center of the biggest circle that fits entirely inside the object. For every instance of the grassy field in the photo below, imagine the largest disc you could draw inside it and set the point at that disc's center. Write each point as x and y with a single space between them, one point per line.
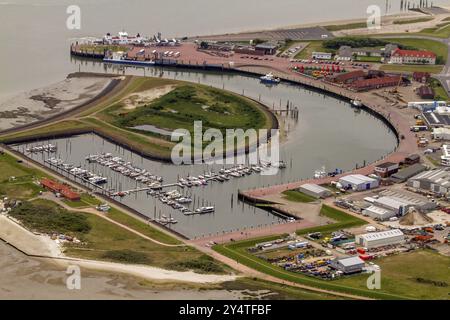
441 93
188 103
368 59
343 221
355 25
420 275
416 20
312 47
412 68
46 217
56 128
141 227
442 31
86 201
23 185
297 196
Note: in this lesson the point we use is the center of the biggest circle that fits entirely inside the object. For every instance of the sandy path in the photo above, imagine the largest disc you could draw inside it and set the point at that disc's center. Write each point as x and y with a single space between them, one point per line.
146 272
137 99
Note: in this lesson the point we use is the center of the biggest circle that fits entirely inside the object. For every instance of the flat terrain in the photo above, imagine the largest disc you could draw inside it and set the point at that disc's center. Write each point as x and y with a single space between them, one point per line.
403 276
188 103
298 196
42 103
419 275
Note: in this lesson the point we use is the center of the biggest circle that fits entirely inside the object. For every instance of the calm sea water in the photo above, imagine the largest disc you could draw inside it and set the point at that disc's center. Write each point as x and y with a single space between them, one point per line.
34 38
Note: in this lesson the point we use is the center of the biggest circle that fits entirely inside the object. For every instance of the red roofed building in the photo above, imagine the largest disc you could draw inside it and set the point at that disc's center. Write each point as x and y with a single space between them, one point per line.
348 77
64 190
400 56
376 83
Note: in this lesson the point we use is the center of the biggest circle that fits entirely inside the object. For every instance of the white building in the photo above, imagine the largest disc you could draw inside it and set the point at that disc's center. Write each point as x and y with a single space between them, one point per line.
122 39
445 158
400 56
378 239
358 182
348 265
322 55
396 205
315 190
378 213
441 134
427 105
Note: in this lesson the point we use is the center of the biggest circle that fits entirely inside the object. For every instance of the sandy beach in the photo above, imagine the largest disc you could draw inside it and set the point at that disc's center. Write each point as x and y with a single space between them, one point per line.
24 277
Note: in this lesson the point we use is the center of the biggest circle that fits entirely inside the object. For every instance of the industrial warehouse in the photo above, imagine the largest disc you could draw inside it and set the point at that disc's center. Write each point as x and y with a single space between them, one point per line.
379 239
348 265
315 190
436 181
358 182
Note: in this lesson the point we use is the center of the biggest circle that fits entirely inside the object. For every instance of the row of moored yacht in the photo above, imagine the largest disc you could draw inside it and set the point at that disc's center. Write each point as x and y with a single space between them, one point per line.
177 201
77 171
49 148
226 174
126 168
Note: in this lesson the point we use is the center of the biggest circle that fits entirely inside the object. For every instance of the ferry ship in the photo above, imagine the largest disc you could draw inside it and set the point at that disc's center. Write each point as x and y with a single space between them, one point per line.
270 78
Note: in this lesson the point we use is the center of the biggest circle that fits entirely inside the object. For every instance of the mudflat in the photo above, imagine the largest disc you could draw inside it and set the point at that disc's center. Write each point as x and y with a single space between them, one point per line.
44 102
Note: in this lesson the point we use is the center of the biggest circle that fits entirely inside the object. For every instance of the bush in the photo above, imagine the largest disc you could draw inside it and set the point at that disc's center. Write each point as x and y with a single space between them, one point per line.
49 218
127 256
204 264
354 42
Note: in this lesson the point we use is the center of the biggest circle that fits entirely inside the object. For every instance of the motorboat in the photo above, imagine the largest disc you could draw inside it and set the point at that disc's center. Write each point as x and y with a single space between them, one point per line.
270 78
321 173
204 210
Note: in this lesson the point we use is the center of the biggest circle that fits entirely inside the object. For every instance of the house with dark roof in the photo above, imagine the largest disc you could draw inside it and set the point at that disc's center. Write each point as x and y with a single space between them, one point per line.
425 92
421 76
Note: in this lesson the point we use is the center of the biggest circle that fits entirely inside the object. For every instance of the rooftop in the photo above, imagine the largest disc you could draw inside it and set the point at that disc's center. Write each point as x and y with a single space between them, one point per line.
414 53
351 261
314 188
386 165
357 179
382 235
